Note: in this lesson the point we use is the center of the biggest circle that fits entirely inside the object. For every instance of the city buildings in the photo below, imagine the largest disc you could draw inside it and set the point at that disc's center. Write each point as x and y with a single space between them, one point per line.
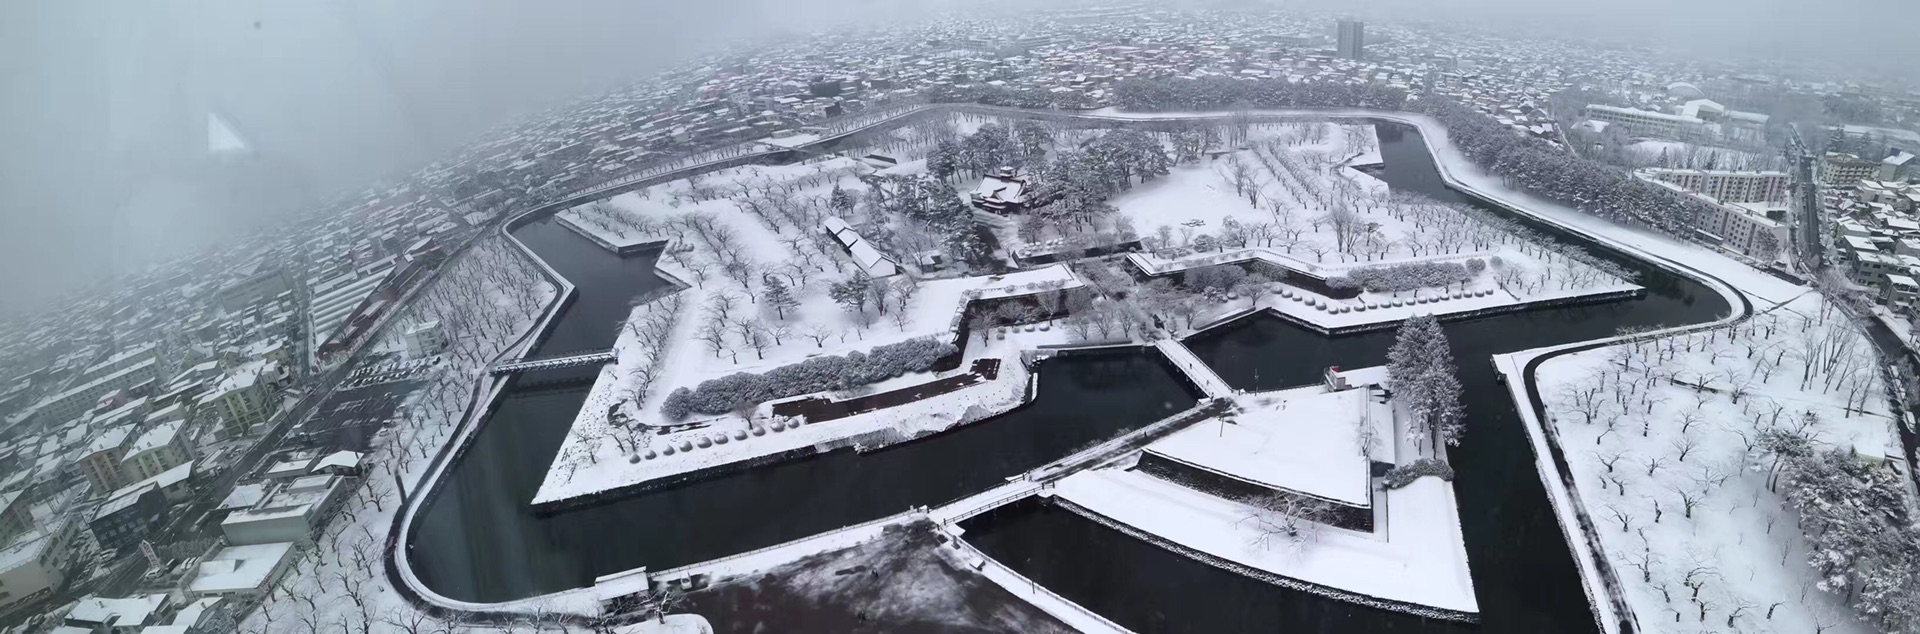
117 616
79 399
424 339
101 462
1728 186
1752 223
36 562
159 448
126 518
245 571
1352 39
252 283
1845 170
15 517
290 513
1646 122
242 399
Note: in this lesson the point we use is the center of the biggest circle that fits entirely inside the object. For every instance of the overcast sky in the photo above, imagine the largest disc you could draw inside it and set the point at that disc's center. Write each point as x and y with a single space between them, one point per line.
104 167
103 162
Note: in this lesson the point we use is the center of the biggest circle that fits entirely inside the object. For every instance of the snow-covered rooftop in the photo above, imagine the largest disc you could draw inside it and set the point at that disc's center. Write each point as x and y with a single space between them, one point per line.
239 568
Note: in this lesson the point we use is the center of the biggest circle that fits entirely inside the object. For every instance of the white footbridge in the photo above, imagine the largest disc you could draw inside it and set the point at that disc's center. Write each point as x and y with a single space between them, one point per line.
599 357
1195 369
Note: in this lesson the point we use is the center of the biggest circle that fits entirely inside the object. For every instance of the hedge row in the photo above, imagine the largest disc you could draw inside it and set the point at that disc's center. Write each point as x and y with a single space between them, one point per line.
1403 475
818 374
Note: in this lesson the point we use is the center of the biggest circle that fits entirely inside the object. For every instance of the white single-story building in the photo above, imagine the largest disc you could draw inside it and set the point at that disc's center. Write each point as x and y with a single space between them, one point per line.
244 571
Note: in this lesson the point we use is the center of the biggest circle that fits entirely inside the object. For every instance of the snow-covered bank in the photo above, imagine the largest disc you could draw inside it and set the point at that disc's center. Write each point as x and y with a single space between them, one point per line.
1309 441
1420 560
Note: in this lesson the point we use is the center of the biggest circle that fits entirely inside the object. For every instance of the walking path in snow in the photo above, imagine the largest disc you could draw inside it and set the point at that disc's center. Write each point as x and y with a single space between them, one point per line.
1195 369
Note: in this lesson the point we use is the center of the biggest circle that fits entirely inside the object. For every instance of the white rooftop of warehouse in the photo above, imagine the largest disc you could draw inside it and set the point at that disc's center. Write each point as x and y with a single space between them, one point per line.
239 568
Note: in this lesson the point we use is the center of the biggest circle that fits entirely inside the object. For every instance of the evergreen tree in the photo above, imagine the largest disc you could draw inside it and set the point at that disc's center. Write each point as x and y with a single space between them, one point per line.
1035 139
851 293
777 295
943 160
987 149
840 201
1420 367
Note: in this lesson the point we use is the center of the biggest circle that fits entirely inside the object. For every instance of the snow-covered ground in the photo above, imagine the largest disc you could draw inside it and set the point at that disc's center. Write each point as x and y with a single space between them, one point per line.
669 624
723 324
1461 173
1420 559
1304 439
1303 208
931 415
1664 436
1289 177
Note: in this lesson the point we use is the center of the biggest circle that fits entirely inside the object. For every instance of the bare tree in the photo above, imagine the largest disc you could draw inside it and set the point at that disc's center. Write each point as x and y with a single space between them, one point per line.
715 336
753 335
1298 520
819 333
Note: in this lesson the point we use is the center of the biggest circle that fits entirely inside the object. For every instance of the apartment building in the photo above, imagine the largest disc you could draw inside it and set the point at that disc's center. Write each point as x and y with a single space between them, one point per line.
1728 186
1646 122
1845 170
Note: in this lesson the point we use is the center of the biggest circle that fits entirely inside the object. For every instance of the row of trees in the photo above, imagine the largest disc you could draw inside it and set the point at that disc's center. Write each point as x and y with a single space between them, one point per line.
990 148
1411 276
818 374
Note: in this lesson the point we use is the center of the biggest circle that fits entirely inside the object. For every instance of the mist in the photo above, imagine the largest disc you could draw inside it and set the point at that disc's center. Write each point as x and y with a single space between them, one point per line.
107 169
106 166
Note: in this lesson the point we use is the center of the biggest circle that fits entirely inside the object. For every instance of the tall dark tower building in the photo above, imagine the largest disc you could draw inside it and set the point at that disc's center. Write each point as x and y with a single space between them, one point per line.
1353 38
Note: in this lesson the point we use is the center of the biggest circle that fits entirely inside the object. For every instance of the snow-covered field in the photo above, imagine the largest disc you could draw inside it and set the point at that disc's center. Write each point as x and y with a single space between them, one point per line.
1292 172
1665 438
1304 440
735 234
1296 204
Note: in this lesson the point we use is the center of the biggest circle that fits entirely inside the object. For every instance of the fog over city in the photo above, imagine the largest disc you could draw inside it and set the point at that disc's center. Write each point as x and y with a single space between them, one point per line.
105 167
1035 316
